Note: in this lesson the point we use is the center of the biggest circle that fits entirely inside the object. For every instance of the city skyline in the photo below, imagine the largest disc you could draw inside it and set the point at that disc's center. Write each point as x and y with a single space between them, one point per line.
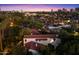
36 7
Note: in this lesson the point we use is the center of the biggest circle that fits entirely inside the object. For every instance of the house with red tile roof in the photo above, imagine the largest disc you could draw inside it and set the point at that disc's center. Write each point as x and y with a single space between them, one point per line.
41 39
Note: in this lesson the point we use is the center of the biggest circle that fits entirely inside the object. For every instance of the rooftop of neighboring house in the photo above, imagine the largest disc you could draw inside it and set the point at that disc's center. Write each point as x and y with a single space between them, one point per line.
40 36
34 45
34 31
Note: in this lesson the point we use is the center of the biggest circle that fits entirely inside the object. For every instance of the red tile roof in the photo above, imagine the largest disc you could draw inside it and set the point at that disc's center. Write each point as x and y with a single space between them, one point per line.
32 45
39 36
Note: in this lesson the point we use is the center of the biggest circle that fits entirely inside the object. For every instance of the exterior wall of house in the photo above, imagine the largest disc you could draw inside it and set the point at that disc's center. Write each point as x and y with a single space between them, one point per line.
43 41
26 40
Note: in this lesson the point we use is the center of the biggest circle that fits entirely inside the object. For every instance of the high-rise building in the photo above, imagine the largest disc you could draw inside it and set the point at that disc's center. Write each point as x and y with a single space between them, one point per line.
51 10
72 10
77 9
64 10
59 10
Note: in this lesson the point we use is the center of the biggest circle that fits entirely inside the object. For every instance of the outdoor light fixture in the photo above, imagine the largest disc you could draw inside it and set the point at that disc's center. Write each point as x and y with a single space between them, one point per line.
11 24
68 21
51 41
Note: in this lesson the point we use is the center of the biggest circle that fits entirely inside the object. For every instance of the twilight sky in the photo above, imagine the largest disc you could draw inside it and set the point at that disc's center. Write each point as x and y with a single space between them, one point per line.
36 7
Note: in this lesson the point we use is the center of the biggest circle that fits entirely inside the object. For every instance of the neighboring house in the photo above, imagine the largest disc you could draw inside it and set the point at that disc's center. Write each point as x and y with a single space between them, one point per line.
41 39
34 31
30 14
54 28
37 42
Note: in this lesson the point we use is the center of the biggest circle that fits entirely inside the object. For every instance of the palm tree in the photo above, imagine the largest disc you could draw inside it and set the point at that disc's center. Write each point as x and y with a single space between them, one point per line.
3 26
